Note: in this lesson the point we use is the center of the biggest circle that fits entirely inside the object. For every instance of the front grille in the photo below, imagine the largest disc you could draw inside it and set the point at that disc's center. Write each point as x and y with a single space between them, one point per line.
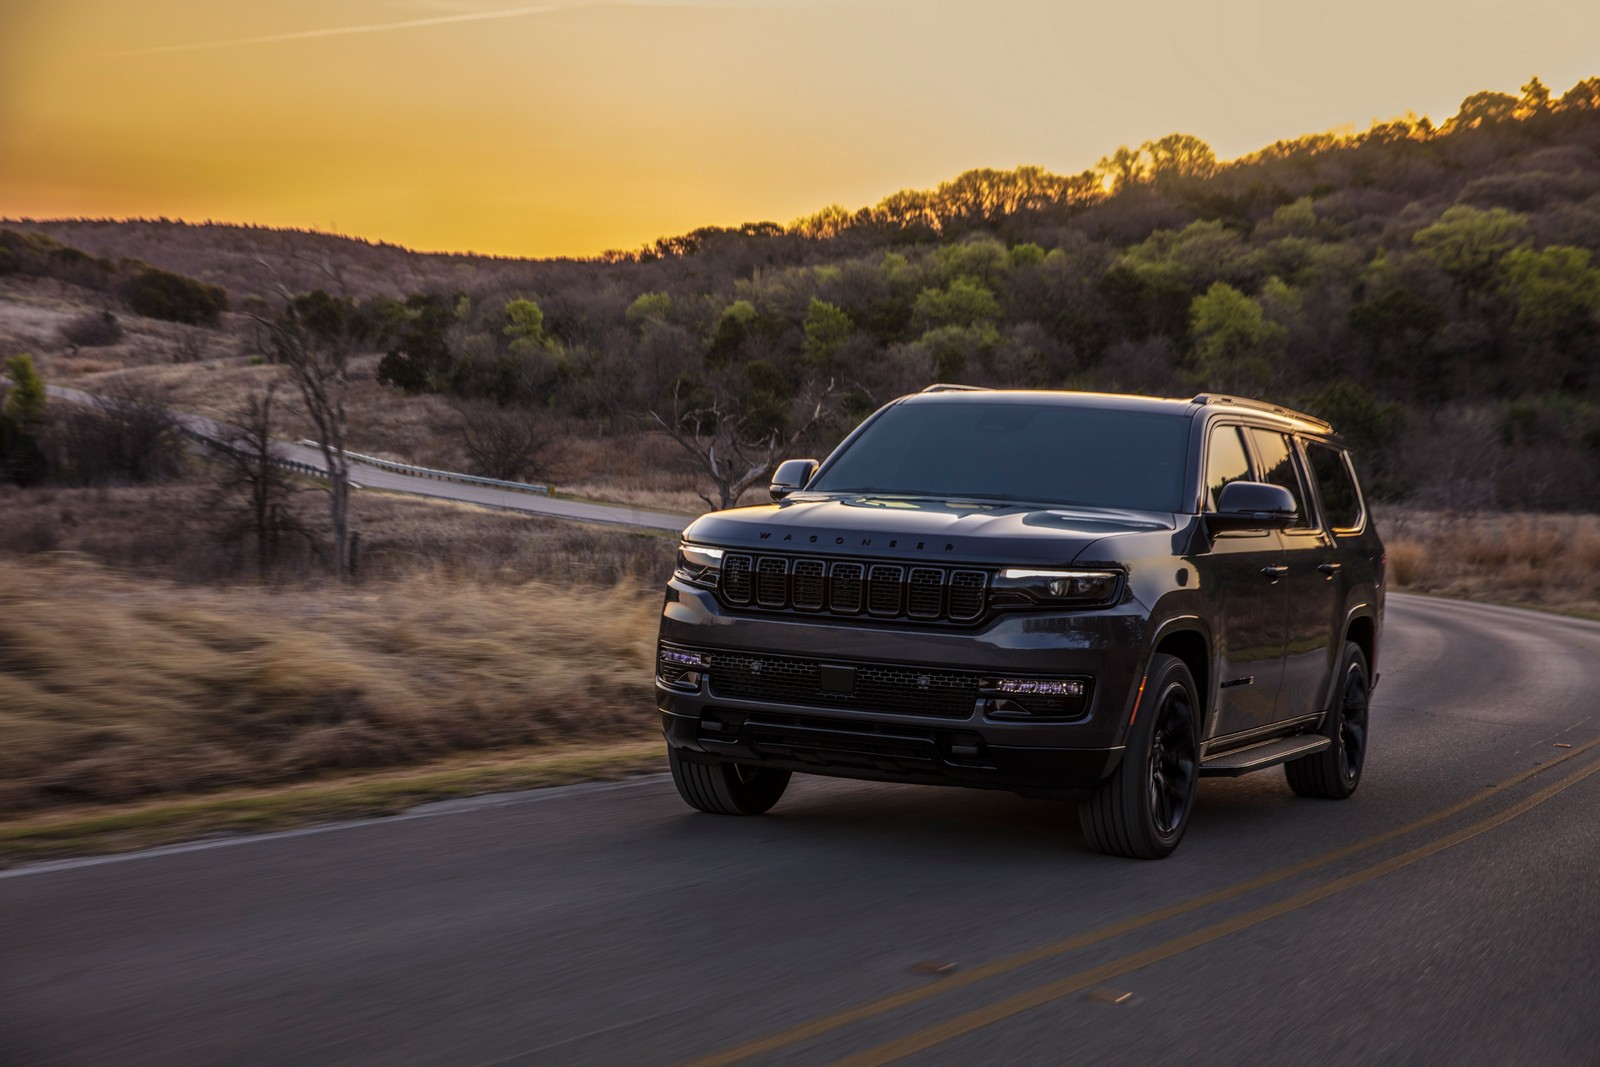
882 590
877 686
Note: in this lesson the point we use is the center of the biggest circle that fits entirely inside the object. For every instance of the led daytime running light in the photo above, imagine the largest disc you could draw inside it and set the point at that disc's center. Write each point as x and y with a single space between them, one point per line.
1040 688
683 659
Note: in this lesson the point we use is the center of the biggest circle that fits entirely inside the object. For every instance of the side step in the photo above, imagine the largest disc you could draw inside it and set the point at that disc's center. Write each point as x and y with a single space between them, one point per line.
1266 754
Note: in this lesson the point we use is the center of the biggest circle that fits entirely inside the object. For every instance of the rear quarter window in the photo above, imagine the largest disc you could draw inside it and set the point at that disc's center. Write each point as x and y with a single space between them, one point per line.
1336 485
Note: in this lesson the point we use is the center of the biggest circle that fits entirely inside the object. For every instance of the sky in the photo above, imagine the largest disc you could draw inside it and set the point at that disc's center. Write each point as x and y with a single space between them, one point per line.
574 126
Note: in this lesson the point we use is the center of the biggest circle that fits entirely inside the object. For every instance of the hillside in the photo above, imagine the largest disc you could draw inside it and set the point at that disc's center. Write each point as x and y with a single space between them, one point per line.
1430 289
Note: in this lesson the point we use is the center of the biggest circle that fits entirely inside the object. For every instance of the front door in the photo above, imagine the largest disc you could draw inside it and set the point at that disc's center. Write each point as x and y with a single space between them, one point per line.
1248 600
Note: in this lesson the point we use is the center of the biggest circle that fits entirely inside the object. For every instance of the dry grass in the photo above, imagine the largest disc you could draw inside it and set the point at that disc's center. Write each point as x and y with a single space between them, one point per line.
168 531
113 689
1546 561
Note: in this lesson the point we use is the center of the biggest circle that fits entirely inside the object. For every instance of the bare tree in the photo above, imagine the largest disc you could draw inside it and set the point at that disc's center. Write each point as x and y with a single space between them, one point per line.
254 492
126 436
512 443
727 443
315 337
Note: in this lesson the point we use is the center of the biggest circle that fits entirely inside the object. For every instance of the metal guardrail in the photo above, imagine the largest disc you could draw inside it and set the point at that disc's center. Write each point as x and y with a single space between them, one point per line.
277 461
438 475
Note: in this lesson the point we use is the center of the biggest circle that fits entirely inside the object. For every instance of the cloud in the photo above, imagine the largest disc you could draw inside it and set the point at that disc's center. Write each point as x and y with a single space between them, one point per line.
346 31
461 11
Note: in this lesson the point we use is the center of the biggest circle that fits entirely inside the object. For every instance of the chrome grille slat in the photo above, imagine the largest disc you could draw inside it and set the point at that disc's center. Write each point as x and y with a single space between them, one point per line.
772 582
884 589
844 591
922 593
967 594
807 590
925 593
736 584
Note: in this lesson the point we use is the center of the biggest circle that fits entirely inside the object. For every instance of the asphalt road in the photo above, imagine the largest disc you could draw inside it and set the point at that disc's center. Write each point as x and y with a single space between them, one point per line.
1449 913
369 477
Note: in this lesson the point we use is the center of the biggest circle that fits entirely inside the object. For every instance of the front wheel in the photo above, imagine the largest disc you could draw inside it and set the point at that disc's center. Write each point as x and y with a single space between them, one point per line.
1334 773
1142 810
726 788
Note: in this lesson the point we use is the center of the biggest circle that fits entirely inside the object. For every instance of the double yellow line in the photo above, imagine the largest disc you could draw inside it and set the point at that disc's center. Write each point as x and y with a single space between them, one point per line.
1002 1009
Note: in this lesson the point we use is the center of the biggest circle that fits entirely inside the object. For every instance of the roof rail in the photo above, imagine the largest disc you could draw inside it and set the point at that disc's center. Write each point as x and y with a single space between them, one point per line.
945 387
1261 405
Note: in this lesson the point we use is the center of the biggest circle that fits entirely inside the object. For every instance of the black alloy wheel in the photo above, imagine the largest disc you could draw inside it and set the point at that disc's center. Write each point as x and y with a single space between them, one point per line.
1335 772
1142 810
722 788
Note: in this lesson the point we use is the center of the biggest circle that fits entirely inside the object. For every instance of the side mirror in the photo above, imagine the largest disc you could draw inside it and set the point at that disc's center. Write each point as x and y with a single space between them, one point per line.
792 474
1252 506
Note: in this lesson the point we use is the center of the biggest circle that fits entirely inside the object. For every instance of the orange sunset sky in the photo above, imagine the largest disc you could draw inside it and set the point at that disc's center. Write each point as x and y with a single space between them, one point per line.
570 127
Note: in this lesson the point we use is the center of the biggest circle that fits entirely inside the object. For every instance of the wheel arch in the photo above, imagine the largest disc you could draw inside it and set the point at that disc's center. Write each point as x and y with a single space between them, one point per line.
1362 628
1189 639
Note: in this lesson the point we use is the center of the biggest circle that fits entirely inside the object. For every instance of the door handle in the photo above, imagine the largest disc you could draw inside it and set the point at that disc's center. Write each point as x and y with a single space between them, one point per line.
1330 569
1275 572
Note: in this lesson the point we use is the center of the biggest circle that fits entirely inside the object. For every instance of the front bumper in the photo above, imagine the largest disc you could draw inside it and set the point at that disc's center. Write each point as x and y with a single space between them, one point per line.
975 748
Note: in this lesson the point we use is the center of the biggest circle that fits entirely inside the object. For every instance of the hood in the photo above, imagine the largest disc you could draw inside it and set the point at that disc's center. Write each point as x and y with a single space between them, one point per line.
923 528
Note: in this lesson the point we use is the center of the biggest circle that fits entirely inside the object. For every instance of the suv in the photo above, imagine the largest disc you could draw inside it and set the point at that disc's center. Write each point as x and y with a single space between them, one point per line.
1074 595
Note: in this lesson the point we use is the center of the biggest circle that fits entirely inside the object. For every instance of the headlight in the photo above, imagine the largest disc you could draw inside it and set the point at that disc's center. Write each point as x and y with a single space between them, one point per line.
699 565
1059 587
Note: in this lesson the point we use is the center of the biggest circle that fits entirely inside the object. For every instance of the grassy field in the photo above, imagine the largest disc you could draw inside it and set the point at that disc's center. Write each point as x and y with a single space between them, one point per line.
115 688
1551 562
144 698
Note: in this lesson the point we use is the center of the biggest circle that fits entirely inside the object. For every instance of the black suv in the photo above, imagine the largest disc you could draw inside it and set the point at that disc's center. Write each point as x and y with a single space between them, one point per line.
1061 594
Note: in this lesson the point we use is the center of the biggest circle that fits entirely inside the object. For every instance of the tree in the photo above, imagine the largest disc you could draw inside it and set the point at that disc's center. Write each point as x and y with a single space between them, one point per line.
963 302
512 443
1179 155
315 336
1556 294
421 358
827 328
525 327
1236 347
1123 168
1484 109
22 415
1467 244
254 493
733 447
1535 100
127 435
647 310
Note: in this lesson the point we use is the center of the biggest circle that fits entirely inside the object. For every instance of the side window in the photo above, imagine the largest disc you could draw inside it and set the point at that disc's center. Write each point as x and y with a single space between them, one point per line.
1278 467
1226 462
1341 501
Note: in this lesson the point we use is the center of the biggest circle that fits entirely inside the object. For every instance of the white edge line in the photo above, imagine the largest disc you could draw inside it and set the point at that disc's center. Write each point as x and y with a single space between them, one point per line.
458 806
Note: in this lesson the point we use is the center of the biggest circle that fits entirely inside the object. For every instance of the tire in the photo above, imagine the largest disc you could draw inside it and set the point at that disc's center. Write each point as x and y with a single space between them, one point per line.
1335 772
1142 810
726 788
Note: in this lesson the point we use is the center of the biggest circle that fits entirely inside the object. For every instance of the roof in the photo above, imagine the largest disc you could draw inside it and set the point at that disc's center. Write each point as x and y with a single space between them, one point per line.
967 394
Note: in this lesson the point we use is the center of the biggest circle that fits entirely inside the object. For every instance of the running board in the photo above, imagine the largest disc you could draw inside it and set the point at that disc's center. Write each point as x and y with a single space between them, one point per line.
1267 754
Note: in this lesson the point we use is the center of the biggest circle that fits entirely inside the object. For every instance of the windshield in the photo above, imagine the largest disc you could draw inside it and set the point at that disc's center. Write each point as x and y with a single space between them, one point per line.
1035 452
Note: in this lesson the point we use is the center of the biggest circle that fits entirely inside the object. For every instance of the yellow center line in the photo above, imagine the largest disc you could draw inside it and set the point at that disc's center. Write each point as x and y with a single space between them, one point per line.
1044 994
894 1001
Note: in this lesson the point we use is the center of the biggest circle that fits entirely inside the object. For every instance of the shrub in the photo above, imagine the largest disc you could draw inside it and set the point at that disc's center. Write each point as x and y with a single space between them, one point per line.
92 329
163 295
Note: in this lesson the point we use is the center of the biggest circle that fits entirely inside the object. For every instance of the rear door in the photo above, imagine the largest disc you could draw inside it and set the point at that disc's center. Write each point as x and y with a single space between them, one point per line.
1311 586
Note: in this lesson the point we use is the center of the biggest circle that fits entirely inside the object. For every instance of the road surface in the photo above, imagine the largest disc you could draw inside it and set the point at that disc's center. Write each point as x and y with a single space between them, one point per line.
1449 913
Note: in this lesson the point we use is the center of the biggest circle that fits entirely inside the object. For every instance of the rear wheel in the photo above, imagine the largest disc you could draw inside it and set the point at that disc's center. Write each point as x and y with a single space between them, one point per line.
1142 810
726 788
1334 773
